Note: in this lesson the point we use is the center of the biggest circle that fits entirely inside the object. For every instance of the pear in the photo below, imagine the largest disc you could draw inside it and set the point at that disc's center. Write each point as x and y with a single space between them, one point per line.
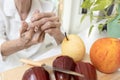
73 46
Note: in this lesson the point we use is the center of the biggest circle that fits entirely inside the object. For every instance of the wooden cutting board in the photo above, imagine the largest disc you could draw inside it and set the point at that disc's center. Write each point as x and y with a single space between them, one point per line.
17 73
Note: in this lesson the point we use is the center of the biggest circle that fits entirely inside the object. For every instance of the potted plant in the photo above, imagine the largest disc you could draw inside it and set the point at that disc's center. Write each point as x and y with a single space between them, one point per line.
110 10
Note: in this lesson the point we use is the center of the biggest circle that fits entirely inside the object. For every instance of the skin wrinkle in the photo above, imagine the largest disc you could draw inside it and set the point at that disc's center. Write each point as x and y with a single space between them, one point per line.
43 21
41 15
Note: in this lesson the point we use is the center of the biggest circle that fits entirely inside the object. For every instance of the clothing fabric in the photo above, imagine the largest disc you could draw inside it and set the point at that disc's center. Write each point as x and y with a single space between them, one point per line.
10 25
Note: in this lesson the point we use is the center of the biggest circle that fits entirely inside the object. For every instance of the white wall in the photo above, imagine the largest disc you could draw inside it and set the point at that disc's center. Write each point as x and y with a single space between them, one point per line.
67 15
75 17
72 16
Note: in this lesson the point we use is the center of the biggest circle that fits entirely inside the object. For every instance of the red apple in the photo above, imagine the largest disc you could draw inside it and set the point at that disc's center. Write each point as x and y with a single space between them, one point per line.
36 73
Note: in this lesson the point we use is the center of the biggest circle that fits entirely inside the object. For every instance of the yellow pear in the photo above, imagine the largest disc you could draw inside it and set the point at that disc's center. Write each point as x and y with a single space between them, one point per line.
73 46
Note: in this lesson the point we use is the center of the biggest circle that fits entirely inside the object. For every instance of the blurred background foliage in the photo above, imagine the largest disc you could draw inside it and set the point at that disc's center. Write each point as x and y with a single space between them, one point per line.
108 11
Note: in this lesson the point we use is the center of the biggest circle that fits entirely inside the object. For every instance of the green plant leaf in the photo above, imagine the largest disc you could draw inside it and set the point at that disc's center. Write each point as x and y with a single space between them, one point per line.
82 18
101 5
91 16
90 30
87 4
100 27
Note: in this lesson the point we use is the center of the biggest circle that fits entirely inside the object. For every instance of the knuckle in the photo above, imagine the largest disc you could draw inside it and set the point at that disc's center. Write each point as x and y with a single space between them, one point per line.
49 23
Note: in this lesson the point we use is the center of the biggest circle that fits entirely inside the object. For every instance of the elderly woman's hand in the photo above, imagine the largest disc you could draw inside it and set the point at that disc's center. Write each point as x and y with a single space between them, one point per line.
41 23
29 37
48 23
26 35
53 29
38 19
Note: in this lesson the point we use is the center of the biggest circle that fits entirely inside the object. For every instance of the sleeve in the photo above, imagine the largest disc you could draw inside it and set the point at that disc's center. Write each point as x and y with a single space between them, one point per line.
2 33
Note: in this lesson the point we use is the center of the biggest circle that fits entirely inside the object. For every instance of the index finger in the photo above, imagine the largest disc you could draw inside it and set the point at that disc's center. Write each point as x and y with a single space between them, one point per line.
38 16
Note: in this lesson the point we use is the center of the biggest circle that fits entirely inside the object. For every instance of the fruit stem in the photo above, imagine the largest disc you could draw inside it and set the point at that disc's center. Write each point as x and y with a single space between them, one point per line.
66 36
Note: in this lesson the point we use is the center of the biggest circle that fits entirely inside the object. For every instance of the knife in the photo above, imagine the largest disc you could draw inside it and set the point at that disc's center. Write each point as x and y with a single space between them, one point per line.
47 67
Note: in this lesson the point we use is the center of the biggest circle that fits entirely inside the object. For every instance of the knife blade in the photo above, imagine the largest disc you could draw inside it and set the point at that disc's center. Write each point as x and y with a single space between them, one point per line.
47 67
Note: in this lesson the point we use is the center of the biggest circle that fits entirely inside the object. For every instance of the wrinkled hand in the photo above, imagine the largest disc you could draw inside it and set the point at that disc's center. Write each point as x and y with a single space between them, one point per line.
29 37
41 23
25 34
53 29
29 34
39 19
48 23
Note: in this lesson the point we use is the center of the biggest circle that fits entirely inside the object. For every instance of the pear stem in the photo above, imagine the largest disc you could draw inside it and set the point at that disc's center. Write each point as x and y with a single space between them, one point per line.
66 36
